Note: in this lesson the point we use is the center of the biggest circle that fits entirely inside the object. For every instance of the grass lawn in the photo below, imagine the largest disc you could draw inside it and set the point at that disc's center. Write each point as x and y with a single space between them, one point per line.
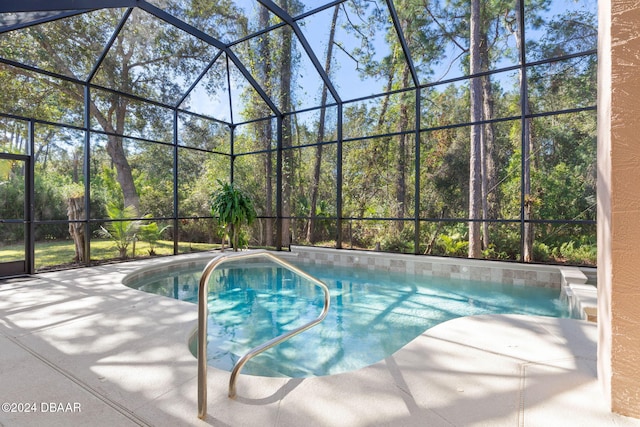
52 253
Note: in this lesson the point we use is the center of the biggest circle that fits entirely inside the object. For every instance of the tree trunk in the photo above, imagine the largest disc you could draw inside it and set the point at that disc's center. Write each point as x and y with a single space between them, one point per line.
387 141
401 161
315 181
385 101
484 189
268 167
265 132
476 132
287 159
489 179
115 149
526 175
75 212
235 235
77 164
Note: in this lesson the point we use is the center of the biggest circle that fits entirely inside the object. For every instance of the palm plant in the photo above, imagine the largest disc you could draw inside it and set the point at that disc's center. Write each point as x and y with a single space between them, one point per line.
122 229
151 233
233 208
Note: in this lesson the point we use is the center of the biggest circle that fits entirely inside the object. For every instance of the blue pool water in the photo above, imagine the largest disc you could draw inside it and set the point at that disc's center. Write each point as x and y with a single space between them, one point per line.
372 314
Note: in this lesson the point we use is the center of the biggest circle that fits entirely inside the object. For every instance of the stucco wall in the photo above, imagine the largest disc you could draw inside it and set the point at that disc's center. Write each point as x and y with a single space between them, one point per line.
619 204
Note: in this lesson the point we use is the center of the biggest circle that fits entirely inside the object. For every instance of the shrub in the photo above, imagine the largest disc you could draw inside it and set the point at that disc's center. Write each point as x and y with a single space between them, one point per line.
585 253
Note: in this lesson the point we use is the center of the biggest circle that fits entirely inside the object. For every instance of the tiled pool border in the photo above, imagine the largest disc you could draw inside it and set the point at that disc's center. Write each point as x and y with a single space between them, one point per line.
455 268
571 281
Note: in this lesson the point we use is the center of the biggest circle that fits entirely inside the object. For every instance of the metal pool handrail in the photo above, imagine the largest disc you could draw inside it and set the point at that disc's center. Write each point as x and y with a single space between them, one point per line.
202 322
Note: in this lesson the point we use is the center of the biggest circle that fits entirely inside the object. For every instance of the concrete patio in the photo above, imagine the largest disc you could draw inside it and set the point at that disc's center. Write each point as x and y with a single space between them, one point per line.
80 349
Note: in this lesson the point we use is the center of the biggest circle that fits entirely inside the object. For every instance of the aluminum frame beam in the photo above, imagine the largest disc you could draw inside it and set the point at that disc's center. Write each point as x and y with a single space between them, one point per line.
403 42
282 14
60 5
161 14
27 19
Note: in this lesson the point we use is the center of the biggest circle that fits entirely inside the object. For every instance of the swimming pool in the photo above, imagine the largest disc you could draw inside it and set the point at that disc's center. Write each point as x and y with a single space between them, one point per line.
372 315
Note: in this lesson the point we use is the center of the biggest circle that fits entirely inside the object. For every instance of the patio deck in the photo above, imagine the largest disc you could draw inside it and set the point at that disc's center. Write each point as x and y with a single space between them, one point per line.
101 354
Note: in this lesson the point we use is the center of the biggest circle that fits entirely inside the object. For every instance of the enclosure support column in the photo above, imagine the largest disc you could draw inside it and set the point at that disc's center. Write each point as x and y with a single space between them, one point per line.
232 157
176 225
619 205
525 187
279 185
339 181
232 127
29 227
87 174
416 196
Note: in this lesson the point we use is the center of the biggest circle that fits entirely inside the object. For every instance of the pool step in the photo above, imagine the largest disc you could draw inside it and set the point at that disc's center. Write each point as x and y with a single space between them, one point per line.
579 294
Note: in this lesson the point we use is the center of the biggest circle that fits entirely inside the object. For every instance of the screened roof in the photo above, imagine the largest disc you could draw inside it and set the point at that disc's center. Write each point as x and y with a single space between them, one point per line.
201 56
368 108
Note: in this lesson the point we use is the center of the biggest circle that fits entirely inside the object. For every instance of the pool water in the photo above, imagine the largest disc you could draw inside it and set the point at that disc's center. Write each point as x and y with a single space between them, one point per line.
372 314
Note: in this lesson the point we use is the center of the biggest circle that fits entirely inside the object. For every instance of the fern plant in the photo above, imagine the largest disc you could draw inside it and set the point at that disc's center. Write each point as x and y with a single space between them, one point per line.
233 208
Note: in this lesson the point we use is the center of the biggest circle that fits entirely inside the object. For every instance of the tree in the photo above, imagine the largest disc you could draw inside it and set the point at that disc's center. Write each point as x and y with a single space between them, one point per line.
475 92
285 74
315 179
452 23
147 58
265 132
